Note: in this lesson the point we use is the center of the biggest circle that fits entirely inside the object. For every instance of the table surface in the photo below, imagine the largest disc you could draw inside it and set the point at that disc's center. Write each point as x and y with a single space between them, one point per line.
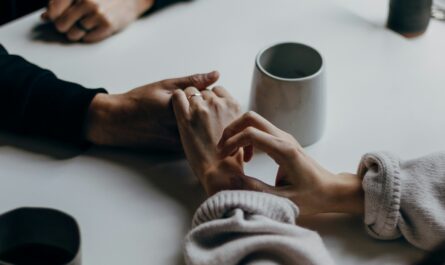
384 93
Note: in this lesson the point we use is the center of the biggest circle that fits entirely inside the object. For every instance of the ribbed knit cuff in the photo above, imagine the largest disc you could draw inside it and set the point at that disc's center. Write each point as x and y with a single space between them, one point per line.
271 206
382 186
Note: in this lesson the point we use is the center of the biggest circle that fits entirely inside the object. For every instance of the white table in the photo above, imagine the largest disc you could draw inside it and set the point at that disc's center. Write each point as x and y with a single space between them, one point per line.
385 93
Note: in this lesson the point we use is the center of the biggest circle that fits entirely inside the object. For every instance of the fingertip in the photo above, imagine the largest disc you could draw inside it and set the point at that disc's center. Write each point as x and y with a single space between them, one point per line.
45 16
213 76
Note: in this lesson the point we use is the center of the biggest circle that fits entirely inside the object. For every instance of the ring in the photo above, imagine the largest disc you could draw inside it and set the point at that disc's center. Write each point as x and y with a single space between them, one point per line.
194 95
80 26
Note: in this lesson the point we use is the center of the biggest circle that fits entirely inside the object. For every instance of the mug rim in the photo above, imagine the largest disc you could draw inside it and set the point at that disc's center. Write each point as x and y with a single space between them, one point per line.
264 71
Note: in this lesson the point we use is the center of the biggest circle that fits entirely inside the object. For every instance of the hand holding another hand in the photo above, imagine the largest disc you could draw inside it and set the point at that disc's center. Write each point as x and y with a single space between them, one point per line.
142 117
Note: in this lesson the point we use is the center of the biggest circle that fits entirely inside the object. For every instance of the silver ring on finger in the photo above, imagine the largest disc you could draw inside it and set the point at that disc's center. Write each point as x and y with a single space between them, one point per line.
194 95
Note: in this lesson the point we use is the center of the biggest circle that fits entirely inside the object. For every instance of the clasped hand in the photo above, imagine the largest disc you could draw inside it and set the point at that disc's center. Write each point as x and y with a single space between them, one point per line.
217 139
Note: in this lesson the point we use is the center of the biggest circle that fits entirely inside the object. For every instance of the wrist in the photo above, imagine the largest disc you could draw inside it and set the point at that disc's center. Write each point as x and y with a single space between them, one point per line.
226 174
99 119
345 194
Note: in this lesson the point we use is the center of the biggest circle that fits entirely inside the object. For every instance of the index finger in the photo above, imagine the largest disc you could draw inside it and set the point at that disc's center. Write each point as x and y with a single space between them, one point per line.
221 92
200 81
256 138
249 119
181 105
57 8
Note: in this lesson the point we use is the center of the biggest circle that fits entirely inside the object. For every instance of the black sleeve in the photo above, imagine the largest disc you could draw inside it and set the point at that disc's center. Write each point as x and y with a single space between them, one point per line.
160 4
34 101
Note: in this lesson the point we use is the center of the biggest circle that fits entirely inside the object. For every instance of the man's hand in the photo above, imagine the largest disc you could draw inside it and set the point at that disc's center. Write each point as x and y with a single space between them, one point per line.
94 20
142 117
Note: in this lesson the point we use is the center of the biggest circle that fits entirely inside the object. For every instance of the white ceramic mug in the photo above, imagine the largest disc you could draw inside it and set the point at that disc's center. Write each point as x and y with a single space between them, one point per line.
288 89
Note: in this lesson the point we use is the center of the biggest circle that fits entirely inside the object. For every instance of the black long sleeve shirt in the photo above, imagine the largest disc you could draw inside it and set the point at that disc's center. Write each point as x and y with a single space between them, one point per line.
12 9
34 101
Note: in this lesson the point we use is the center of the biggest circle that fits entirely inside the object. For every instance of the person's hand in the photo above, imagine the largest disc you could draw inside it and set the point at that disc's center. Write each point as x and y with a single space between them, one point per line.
93 20
142 117
201 121
299 178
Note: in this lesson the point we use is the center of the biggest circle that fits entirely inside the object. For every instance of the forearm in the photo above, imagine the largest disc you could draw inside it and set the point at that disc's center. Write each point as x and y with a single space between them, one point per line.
345 194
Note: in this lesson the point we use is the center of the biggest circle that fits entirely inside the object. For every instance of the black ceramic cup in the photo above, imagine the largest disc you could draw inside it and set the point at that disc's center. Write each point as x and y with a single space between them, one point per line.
409 17
36 236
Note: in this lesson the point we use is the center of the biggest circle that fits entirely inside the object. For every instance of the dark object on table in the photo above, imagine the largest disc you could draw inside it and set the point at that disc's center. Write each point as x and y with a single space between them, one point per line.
12 9
37 236
409 17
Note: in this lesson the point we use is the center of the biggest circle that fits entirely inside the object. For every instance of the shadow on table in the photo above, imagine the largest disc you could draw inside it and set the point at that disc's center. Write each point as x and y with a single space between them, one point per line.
350 238
37 145
168 172
46 32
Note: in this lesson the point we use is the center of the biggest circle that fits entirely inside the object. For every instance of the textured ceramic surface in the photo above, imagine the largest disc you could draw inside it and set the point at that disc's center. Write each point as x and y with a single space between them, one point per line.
289 90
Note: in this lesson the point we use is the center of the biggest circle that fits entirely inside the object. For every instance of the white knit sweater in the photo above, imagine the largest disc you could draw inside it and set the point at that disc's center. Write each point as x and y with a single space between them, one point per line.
402 198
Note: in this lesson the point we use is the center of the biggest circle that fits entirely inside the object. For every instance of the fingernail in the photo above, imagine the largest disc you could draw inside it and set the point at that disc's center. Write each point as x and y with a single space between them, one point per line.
212 75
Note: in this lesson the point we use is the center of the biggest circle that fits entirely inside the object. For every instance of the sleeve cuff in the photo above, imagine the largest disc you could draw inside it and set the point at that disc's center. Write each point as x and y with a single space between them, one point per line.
382 185
60 110
271 206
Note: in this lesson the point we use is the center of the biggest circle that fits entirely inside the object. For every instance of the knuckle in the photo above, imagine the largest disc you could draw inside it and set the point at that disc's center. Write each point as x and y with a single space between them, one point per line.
234 106
92 6
176 95
189 89
106 22
60 26
227 132
249 132
291 152
215 102
203 111
73 37
249 116
195 79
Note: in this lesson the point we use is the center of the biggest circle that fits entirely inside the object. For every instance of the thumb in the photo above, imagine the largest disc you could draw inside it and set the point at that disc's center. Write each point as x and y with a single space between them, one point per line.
254 184
56 8
200 81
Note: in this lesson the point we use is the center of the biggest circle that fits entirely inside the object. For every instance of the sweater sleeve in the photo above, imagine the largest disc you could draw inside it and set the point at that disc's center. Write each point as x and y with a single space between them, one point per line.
405 198
34 101
246 227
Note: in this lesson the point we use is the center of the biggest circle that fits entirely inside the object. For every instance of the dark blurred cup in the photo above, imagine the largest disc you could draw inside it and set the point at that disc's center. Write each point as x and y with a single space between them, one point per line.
409 17
36 236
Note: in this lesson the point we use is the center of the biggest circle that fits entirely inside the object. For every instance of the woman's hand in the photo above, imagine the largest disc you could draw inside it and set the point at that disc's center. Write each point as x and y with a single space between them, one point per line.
142 117
299 178
201 121
94 20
